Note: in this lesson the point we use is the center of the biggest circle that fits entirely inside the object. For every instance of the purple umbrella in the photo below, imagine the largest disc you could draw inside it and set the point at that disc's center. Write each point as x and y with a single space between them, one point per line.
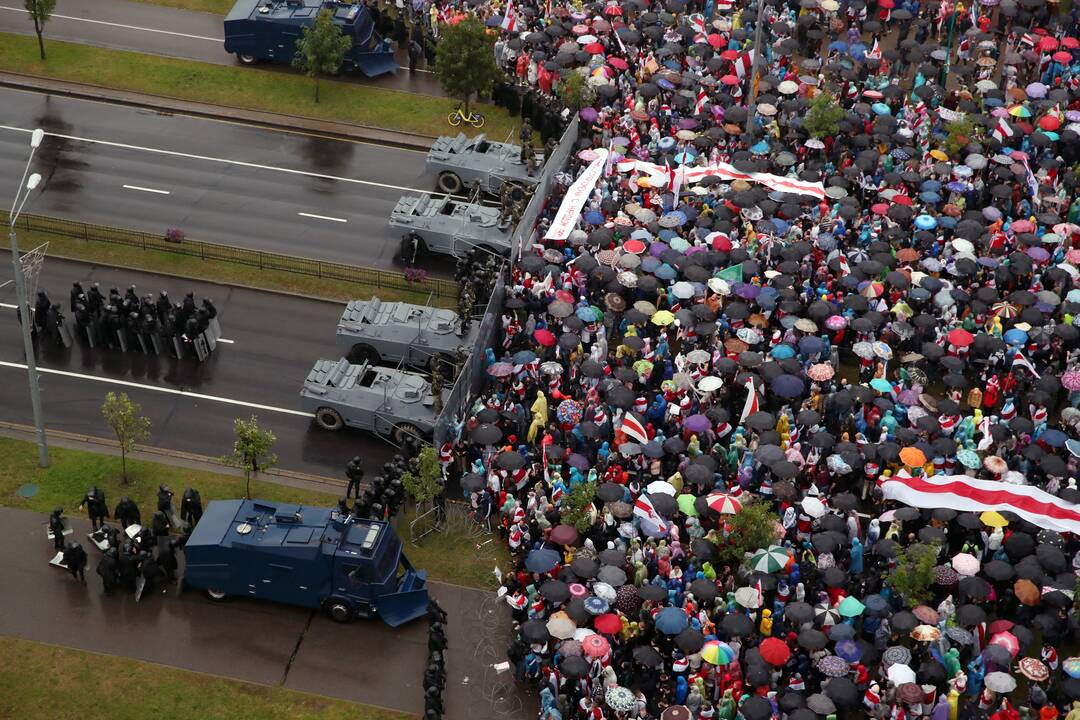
787 386
589 114
579 461
747 291
848 650
697 423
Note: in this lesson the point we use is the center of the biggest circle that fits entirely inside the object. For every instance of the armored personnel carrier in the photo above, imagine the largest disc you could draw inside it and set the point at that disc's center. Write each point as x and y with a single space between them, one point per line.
460 161
376 332
448 226
381 400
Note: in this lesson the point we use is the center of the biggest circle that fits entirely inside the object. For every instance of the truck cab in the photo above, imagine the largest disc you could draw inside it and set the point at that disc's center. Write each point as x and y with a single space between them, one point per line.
267 30
307 556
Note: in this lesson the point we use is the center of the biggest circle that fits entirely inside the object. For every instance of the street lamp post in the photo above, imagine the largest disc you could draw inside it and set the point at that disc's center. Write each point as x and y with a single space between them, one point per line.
26 186
754 65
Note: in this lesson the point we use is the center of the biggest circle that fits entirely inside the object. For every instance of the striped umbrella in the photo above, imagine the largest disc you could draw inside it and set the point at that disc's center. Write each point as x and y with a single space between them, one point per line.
715 652
770 560
723 503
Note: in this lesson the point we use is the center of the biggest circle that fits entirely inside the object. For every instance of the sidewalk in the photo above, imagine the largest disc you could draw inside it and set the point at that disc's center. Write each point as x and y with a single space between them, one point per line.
273 121
261 642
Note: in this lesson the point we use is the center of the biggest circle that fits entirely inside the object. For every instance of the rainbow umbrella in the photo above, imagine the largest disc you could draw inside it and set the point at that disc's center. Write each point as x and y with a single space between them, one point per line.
715 652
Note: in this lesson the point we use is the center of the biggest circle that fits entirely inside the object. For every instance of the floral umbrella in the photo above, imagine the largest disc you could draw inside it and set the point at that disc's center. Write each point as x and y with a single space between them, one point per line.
833 666
595 646
620 699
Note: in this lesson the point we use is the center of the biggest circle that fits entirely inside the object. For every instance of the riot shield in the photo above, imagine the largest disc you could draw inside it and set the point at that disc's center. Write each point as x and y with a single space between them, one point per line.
214 330
122 337
140 585
156 344
143 345
65 334
178 346
201 349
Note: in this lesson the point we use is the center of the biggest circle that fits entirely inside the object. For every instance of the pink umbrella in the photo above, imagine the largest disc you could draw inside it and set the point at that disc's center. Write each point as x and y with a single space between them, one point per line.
1071 380
965 564
836 322
820 372
1006 640
597 646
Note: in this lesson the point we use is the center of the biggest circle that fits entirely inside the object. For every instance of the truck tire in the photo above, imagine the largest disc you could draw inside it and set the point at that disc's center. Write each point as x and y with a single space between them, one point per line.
449 183
404 430
362 353
329 419
216 595
246 59
339 611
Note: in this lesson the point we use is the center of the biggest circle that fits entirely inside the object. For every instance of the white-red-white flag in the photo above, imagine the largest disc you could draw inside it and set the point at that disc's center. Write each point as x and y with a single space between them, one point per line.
874 53
743 64
752 404
702 98
509 22
1019 359
644 509
634 428
1002 131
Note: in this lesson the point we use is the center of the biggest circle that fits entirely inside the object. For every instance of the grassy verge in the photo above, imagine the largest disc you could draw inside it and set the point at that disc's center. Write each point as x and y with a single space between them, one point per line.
249 88
221 7
450 556
45 682
215 271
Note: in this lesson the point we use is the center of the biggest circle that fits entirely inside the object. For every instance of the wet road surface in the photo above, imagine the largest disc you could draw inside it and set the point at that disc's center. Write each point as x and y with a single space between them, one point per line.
125 25
276 340
250 640
220 182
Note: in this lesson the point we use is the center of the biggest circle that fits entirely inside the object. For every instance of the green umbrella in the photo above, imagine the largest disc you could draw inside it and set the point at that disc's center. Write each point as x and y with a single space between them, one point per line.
686 505
850 607
770 560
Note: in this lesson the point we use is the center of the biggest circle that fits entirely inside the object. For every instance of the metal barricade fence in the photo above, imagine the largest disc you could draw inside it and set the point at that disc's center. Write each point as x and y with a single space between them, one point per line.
471 379
380 279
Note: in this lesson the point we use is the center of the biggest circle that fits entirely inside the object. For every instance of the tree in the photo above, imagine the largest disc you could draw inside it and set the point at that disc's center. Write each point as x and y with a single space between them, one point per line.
577 506
424 484
251 449
40 11
465 60
752 528
824 116
575 92
122 416
959 134
914 575
321 49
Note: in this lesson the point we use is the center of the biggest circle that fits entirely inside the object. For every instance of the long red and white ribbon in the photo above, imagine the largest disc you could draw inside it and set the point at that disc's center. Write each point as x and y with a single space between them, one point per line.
689 175
964 493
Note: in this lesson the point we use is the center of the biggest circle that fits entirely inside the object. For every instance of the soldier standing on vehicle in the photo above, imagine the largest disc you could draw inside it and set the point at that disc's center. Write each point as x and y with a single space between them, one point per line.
355 472
437 387
526 137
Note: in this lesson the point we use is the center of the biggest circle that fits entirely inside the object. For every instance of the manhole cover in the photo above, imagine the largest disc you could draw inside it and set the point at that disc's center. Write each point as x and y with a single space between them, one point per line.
28 490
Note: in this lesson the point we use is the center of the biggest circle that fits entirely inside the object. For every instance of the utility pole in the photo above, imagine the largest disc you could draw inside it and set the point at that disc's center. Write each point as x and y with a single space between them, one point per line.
756 49
26 319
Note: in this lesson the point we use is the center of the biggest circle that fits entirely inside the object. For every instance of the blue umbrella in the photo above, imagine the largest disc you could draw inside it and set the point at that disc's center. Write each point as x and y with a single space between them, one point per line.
665 272
760 148
788 386
1015 336
881 109
928 196
587 313
930 186
849 650
811 344
1054 438
671 621
523 357
676 216
925 222
782 352
1073 446
838 46
542 560
685 157
947 222
857 51
594 217
666 143
875 605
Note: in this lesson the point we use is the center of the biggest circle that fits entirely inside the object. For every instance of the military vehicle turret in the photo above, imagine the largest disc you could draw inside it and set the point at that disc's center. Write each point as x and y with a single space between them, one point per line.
448 226
382 400
461 161
391 332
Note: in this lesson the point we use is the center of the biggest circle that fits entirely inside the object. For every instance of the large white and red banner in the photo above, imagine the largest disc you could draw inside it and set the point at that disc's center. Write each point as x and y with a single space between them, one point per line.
964 493
570 209
659 177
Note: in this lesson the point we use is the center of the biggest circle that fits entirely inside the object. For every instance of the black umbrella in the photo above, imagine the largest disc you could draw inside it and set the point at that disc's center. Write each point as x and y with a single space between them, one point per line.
556 591
689 640
535 632
646 655
969 615
812 639
610 492
574 666
585 567
737 624
843 692
652 592
799 612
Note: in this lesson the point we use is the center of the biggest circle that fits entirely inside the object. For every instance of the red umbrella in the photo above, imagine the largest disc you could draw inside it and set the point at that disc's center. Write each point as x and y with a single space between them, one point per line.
595 646
1022 226
729 55
715 40
887 4
880 208
634 246
960 337
544 337
1049 122
617 63
774 651
1048 43
594 49
614 10
1062 57
729 80
1070 42
608 623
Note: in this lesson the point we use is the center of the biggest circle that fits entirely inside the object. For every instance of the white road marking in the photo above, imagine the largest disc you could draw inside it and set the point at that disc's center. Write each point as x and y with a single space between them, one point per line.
6 283
9 306
155 388
226 341
226 161
146 189
322 217
120 25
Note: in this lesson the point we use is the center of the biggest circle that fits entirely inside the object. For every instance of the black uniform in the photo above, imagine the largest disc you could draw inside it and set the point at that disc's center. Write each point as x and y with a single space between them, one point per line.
75 559
355 472
109 570
191 508
127 512
96 506
56 526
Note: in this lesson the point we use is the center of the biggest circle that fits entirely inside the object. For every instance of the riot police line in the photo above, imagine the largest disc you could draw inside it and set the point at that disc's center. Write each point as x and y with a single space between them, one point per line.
129 323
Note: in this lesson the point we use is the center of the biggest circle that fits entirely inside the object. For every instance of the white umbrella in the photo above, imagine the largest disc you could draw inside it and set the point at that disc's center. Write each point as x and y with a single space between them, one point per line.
682 290
710 383
1000 682
813 507
900 674
662 487
748 597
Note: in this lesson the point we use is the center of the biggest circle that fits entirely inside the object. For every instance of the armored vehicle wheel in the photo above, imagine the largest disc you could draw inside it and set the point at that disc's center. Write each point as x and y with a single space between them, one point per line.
246 59
449 183
361 353
339 611
215 595
329 419
403 431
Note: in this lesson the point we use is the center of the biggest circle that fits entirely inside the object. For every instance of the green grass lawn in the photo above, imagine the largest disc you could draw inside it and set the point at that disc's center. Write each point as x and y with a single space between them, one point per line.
217 271
221 7
451 556
45 682
241 87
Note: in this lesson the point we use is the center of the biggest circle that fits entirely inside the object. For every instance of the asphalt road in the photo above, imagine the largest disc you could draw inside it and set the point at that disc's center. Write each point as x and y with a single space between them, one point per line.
124 25
221 182
249 640
275 341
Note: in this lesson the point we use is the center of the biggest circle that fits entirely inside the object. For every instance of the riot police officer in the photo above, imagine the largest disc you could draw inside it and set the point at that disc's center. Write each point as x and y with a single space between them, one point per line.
355 472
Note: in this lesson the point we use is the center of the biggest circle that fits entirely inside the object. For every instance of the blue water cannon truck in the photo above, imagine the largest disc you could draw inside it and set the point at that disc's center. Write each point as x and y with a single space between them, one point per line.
307 556
267 30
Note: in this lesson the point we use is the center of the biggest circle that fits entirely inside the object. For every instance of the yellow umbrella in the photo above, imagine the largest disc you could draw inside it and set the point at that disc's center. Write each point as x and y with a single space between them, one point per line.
903 309
939 155
993 519
663 318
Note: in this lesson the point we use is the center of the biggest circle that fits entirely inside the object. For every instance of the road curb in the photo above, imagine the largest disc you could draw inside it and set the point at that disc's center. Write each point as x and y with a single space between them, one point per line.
166 456
259 118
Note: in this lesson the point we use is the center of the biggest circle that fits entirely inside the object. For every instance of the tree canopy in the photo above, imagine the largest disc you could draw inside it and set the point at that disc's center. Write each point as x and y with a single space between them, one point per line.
321 49
465 60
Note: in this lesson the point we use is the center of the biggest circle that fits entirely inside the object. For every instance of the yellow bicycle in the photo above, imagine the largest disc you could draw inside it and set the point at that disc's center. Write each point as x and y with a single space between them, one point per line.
458 116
